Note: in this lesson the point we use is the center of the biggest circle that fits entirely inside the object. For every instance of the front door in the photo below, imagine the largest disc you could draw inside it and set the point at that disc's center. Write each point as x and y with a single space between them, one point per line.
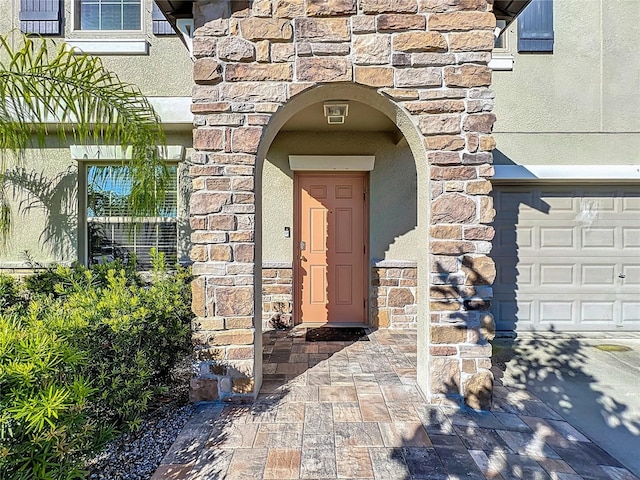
330 248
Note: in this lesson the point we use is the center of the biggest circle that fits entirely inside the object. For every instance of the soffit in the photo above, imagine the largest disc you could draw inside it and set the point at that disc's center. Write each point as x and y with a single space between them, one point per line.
508 10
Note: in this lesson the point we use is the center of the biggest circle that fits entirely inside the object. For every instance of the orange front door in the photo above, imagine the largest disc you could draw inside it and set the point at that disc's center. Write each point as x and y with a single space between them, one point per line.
330 247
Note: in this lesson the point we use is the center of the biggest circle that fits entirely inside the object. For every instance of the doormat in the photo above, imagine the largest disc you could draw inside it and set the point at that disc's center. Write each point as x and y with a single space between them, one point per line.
332 334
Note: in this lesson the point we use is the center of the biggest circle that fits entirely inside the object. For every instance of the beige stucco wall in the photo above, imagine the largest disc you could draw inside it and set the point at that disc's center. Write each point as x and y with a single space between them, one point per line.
43 199
579 104
165 71
392 196
48 229
43 195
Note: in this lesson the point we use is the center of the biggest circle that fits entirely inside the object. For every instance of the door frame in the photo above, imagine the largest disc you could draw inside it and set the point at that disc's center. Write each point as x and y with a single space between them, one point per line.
297 280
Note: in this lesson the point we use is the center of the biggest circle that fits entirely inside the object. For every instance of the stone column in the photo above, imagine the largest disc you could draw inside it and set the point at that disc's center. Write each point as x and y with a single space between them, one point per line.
427 57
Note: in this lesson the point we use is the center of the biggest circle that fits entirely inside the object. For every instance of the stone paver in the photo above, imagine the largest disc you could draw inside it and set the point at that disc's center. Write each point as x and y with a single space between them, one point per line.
353 410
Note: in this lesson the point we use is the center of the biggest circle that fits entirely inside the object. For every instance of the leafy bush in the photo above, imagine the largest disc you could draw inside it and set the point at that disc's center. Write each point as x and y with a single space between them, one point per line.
82 359
43 422
10 294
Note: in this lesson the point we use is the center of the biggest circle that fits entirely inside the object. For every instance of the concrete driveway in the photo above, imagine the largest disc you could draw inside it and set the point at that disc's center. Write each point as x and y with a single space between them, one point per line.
593 381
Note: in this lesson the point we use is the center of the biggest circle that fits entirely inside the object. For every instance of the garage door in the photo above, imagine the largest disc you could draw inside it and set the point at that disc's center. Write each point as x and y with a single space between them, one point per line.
568 258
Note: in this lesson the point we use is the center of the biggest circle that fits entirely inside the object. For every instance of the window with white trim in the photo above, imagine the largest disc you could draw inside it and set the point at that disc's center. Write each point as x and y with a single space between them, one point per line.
108 14
112 233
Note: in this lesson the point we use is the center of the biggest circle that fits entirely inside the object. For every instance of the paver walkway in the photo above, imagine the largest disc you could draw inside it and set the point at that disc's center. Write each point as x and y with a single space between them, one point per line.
332 410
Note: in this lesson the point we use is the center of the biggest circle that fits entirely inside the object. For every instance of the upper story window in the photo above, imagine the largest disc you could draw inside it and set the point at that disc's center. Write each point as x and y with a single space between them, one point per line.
108 14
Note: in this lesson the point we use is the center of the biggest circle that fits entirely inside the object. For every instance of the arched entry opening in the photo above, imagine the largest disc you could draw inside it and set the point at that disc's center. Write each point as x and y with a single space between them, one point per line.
397 218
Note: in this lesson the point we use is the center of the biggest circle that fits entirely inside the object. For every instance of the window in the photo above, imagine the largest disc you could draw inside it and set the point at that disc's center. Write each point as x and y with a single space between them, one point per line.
108 14
535 27
501 40
112 233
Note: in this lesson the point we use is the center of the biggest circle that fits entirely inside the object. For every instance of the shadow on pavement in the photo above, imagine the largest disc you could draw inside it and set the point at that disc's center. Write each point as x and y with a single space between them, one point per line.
597 391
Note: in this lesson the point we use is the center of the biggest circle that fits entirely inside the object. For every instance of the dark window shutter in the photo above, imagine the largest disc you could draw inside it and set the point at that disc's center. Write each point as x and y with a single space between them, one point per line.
535 27
41 16
160 24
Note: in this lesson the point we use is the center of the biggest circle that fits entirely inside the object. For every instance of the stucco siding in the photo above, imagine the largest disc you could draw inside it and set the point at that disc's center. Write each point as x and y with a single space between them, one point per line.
392 196
43 197
166 70
567 149
572 106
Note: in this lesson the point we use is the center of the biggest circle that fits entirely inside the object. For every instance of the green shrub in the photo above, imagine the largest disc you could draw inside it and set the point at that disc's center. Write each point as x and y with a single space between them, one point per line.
133 335
82 359
60 280
11 295
43 423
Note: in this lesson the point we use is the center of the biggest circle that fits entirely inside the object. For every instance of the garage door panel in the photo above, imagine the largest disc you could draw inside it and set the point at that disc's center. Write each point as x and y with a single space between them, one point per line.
599 237
556 201
630 237
598 275
556 311
631 203
510 312
567 258
557 274
597 312
631 313
631 275
545 275
556 237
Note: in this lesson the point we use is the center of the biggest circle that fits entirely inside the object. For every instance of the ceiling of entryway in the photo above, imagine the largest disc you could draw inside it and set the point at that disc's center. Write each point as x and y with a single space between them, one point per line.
361 118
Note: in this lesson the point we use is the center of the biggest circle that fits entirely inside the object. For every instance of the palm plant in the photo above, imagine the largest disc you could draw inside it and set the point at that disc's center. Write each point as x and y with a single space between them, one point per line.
47 92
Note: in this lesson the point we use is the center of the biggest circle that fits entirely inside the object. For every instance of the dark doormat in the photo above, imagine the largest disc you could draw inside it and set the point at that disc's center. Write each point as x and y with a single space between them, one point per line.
332 334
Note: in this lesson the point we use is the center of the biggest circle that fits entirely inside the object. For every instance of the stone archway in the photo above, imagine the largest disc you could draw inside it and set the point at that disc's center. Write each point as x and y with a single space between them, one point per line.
423 64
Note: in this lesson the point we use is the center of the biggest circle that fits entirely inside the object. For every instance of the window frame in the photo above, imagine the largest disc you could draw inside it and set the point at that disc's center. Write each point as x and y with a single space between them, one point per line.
83 209
504 36
76 21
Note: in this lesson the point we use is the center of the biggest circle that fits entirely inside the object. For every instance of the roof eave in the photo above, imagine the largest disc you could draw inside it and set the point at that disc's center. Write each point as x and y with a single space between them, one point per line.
508 10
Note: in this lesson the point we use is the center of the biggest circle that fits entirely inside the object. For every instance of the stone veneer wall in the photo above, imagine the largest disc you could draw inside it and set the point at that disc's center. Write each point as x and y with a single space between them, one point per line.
427 57
394 295
277 293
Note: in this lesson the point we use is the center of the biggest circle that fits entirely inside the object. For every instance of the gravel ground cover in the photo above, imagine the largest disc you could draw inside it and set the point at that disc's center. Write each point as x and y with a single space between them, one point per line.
136 455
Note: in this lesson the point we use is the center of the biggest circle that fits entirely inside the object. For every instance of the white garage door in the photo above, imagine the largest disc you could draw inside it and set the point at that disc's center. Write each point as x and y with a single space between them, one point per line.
568 258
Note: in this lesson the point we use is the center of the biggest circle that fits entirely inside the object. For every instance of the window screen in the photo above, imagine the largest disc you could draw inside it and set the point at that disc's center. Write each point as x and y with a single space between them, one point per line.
113 233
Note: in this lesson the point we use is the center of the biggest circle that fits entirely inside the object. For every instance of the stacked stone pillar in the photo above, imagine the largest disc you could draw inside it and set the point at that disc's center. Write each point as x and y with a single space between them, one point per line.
428 57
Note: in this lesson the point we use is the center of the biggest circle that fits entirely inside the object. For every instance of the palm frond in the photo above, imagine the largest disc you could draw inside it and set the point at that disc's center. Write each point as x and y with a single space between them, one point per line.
63 93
